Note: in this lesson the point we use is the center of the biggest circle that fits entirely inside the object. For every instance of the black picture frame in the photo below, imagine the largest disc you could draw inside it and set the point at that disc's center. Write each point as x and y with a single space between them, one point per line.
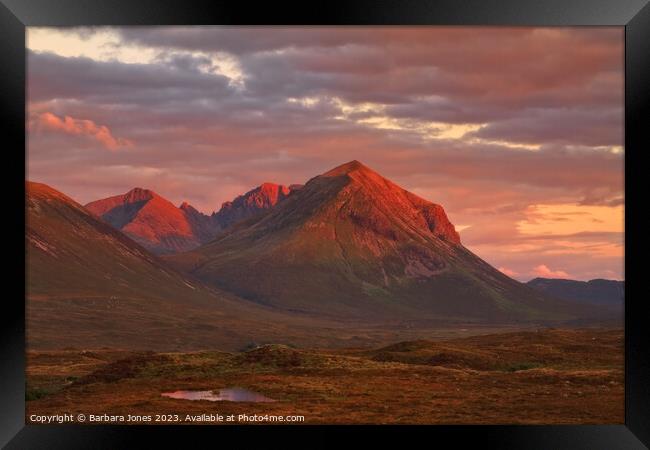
634 15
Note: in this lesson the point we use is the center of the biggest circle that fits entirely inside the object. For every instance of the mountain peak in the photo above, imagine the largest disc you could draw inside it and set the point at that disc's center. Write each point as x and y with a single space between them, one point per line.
272 190
153 221
139 194
186 206
36 190
353 242
347 168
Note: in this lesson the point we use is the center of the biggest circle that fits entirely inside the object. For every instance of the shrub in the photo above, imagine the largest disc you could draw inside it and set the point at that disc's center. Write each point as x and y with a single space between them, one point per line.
521 366
35 393
249 346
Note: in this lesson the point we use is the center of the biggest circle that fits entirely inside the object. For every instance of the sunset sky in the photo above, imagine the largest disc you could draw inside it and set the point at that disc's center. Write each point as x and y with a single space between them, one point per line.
517 132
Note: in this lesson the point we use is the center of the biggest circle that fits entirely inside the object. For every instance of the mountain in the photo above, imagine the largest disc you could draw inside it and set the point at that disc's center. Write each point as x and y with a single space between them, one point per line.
70 251
155 222
252 203
158 225
351 243
89 285
599 292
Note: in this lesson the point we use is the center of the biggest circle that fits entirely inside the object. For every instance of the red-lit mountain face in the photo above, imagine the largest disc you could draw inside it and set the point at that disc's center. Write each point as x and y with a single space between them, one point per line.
252 203
350 242
155 222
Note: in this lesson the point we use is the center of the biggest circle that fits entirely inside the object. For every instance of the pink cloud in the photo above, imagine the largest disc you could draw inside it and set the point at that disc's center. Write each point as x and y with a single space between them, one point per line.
509 272
47 121
543 271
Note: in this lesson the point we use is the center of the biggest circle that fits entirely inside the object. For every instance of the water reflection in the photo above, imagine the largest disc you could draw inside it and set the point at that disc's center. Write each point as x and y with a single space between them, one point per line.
226 395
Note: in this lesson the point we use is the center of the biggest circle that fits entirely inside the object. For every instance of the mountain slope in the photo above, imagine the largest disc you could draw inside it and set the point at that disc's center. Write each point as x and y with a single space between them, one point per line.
352 243
72 252
599 292
88 285
155 222
252 203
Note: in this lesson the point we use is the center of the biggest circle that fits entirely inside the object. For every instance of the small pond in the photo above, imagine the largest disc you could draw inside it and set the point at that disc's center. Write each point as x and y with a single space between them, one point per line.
223 395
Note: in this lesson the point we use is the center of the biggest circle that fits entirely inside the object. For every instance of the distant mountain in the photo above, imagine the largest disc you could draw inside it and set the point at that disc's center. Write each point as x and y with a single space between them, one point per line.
89 285
154 222
158 225
608 293
252 203
351 243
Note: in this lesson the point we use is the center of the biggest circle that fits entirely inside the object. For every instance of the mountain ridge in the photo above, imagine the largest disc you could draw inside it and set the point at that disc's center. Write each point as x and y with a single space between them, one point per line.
161 227
352 242
64 233
599 291
253 202
154 221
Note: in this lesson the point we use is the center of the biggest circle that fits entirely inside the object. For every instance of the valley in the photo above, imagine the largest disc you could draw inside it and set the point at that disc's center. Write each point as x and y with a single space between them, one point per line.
551 376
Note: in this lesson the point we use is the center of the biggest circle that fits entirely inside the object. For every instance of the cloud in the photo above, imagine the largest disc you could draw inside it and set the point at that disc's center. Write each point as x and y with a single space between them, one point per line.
567 219
508 79
489 122
53 76
47 121
564 125
544 272
509 272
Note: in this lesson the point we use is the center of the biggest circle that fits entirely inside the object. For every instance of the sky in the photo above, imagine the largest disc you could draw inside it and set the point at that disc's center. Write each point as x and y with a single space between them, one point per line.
516 132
